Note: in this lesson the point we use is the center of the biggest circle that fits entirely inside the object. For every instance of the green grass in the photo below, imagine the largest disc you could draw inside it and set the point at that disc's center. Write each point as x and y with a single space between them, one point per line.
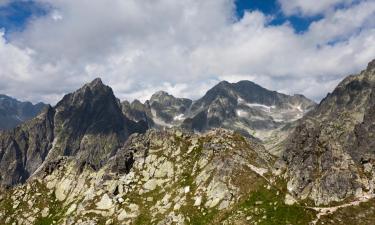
271 209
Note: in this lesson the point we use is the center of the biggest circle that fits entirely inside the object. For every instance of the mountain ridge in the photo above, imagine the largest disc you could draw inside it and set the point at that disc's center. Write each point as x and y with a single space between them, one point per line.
87 123
14 112
224 105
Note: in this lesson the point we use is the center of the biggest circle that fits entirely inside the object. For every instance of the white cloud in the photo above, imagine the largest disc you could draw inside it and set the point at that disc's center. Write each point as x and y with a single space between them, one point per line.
183 47
309 7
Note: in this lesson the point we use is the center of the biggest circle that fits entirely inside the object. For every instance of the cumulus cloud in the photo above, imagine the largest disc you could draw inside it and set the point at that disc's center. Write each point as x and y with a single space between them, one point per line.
183 47
310 8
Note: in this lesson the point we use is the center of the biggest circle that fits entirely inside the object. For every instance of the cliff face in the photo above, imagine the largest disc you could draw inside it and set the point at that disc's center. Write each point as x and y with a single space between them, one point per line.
24 149
329 156
88 124
243 106
14 112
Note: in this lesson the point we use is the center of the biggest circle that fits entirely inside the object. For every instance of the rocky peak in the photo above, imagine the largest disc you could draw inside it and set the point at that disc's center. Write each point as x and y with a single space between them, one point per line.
14 112
329 148
165 99
88 120
87 124
97 82
371 65
159 94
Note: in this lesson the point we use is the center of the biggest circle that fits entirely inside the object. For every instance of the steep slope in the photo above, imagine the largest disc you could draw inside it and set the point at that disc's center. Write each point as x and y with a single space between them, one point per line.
244 106
162 110
330 155
138 111
23 149
14 112
161 177
167 110
87 124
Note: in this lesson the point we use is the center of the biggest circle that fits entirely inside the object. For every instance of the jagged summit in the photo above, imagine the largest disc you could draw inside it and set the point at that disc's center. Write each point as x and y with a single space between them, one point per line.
371 65
244 106
159 94
14 112
331 147
87 124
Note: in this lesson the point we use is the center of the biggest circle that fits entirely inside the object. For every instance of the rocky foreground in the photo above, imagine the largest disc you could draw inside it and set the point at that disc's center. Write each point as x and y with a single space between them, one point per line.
161 177
169 177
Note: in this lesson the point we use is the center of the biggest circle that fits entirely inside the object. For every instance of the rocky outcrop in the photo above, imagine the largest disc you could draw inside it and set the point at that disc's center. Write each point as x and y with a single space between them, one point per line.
14 112
90 125
331 148
87 124
138 111
24 149
161 111
160 177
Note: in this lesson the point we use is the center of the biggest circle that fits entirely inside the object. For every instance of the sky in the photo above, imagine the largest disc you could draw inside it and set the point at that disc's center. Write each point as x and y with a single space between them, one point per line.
51 47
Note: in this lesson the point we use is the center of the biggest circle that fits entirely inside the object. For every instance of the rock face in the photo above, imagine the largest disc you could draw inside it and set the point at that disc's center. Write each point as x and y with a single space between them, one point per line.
244 106
330 155
247 108
87 124
14 112
170 177
24 149
162 110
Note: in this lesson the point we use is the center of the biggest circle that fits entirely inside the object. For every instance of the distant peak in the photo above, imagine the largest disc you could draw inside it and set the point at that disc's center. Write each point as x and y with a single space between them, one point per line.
224 82
371 65
96 82
160 93
95 85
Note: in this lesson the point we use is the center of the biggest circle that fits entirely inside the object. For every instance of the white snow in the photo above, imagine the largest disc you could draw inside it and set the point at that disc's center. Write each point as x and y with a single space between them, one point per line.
263 107
251 105
241 113
158 120
179 117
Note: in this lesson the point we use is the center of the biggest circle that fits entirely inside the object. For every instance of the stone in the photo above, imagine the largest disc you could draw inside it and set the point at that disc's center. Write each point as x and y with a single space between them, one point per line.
150 185
105 203
187 189
71 209
45 212
120 200
289 200
198 201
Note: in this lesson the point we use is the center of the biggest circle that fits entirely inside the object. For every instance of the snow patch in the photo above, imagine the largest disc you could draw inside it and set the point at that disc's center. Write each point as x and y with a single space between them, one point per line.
263 107
158 120
241 113
179 117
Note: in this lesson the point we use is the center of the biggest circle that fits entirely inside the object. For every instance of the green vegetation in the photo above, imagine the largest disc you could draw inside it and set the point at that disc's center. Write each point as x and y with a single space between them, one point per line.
266 207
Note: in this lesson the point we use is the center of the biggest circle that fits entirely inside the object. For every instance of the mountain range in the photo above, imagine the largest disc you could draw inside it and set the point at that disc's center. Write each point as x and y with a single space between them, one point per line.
241 154
14 112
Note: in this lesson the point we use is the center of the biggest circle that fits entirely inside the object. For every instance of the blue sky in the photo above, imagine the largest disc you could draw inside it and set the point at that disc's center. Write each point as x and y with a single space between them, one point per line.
51 47
272 8
14 16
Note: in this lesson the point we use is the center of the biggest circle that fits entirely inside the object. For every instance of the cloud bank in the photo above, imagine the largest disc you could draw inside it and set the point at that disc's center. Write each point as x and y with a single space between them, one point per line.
184 47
